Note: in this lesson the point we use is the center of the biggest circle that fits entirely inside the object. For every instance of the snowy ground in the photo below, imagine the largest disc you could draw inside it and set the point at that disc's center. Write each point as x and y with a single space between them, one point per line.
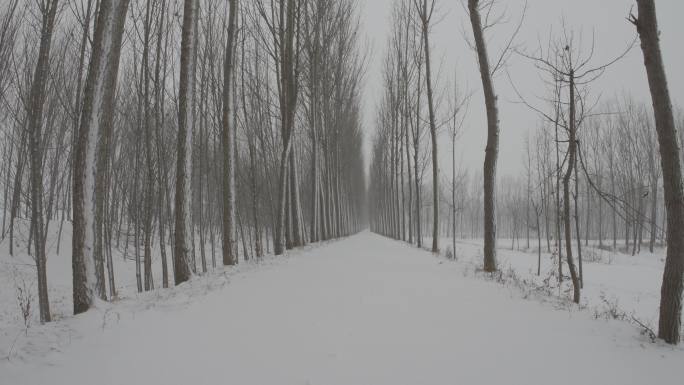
365 310
19 273
613 281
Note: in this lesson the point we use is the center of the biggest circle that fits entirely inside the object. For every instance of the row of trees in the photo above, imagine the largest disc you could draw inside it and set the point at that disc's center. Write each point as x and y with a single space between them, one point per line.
400 152
184 123
403 125
591 171
617 202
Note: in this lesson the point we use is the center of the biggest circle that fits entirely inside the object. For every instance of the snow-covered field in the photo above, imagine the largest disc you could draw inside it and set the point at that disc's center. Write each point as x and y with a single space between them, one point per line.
19 273
364 310
613 281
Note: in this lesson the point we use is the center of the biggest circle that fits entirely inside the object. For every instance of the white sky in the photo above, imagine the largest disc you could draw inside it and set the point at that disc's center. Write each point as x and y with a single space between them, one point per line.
605 18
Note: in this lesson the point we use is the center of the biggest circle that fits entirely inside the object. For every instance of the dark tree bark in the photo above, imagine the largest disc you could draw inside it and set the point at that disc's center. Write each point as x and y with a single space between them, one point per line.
671 291
572 151
183 262
35 121
228 144
492 149
425 16
288 102
98 105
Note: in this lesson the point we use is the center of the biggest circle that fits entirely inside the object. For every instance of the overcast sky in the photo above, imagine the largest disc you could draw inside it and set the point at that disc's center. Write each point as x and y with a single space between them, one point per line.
606 19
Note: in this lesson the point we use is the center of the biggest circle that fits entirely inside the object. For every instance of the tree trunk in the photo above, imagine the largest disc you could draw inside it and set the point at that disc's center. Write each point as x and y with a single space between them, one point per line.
492 149
558 205
671 291
577 227
186 99
288 98
98 106
147 127
433 129
538 243
228 138
161 159
572 145
453 193
411 219
295 207
35 121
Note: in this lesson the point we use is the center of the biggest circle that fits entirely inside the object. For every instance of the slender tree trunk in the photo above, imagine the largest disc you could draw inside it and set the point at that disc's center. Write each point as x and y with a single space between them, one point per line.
228 136
35 121
416 173
186 98
411 219
559 245
288 98
587 232
453 193
538 243
255 203
279 240
577 228
492 149
572 143
613 192
433 131
147 127
295 208
161 159
135 202
315 219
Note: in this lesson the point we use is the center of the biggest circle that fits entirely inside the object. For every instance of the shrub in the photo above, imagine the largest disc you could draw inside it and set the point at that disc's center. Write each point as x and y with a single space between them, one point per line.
449 253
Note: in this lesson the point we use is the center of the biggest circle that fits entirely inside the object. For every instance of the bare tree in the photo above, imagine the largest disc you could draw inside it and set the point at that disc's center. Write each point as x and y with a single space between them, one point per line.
186 99
98 105
48 12
671 292
492 149
289 73
425 13
228 143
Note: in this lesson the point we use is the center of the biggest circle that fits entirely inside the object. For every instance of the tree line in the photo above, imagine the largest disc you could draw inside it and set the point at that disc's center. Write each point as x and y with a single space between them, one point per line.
599 172
201 132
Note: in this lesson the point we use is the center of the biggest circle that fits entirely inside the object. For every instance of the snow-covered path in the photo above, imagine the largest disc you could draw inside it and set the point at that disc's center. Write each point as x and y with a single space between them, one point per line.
364 310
